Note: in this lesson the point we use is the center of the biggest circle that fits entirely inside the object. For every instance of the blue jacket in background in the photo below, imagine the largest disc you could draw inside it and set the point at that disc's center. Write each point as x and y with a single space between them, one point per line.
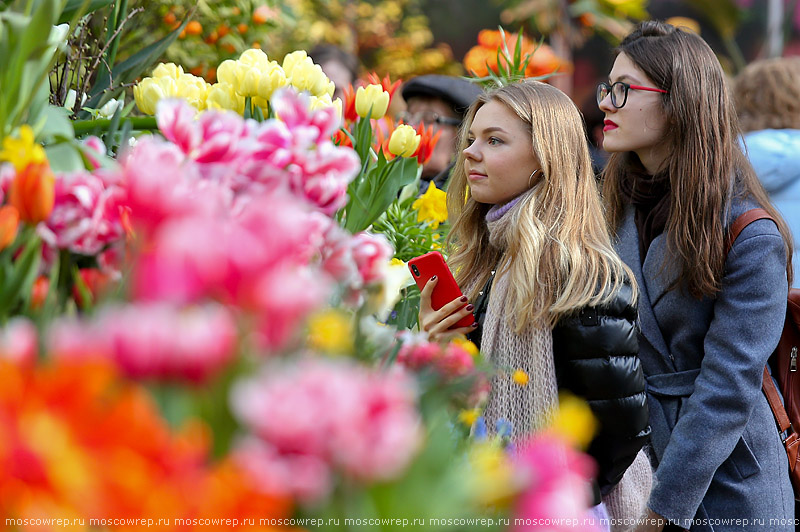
775 155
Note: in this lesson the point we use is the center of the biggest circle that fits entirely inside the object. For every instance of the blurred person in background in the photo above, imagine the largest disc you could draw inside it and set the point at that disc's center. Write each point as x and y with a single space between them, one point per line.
767 96
340 66
441 102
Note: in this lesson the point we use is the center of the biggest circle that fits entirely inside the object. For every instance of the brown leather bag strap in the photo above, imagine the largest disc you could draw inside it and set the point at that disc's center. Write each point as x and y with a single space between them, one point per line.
774 399
743 221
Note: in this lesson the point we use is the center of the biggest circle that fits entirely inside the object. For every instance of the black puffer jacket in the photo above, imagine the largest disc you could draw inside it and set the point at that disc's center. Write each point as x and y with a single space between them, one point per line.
596 355
596 359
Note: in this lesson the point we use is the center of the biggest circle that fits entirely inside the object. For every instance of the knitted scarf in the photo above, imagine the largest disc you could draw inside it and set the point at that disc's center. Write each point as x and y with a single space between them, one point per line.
531 406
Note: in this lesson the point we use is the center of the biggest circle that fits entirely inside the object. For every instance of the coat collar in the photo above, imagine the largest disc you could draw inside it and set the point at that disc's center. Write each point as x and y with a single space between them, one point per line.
653 286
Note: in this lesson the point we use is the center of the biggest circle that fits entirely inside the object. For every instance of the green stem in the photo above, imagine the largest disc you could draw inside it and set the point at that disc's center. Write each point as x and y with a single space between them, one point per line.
83 127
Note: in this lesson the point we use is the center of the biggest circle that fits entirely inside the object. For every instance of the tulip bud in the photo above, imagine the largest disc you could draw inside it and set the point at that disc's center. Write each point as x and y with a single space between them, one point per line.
168 70
32 192
372 96
9 221
254 57
223 96
194 90
404 141
149 91
273 78
293 59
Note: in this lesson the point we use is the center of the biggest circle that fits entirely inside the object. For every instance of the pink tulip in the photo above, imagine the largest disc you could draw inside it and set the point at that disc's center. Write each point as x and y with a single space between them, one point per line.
371 253
18 341
557 484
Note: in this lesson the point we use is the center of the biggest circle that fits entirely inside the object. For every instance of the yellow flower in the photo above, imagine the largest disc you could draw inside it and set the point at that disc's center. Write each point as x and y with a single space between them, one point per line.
574 421
168 70
228 72
404 141
374 97
273 77
194 90
520 377
22 151
432 206
468 417
149 91
223 96
494 482
466 345
293 59
396 262
331 331
306 76
249 82
254 57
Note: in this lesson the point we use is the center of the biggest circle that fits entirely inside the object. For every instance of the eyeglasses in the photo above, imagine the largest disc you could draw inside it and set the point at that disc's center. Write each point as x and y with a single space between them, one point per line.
427 117
619 92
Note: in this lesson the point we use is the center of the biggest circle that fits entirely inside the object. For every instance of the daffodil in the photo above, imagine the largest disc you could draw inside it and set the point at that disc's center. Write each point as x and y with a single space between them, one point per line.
22 151
432 206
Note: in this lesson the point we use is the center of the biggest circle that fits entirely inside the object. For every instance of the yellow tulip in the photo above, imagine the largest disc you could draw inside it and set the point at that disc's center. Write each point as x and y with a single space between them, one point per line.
168 70
272 78
254 57
404 141
194 90
293 59
248 85
223 96
227 71
149 91
373 96
306 76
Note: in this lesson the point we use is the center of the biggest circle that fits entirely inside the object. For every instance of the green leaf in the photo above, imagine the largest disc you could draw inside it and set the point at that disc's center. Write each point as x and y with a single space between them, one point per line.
55 123
64 157
73 7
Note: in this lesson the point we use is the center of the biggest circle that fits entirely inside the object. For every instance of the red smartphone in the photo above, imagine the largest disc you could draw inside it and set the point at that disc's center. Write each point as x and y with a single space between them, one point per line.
426 266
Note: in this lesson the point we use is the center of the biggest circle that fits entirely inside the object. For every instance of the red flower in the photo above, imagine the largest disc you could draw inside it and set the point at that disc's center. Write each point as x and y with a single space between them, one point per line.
349 104
427 143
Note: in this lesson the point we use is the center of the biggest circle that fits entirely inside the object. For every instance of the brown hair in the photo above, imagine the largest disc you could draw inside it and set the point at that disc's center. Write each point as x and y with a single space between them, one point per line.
559 257
707 168
768 94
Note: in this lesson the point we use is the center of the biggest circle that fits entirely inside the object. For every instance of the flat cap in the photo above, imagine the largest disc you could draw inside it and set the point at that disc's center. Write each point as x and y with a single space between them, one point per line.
458 92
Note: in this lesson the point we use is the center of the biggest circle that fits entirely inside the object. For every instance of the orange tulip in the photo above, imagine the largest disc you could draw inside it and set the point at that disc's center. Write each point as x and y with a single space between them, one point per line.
39 292
349 104
9 221
427 143
32 192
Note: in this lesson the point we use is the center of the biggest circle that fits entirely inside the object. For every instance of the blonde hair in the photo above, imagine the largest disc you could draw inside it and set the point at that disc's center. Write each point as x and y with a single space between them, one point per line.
559 256
767 94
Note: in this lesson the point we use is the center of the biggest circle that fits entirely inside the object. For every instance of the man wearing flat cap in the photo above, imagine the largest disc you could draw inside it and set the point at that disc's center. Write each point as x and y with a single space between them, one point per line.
440 101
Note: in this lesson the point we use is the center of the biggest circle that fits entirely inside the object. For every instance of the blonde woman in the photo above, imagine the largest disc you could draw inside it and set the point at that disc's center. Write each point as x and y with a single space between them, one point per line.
530 246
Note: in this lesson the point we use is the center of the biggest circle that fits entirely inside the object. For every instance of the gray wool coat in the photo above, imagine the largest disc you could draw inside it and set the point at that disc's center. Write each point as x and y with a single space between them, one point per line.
717 454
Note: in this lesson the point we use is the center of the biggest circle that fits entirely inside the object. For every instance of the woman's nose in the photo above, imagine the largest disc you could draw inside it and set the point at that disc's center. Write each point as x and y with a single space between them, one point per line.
471 152
606 105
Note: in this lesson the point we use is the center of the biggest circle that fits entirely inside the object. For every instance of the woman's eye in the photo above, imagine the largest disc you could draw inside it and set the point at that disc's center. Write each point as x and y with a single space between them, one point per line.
494 141
470 140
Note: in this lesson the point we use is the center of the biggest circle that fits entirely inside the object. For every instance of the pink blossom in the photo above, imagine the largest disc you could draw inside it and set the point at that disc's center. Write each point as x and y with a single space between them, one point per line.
283 298
451 360
371 253
86 214
74 339
361 422
302 476
322 175
162 341
557 483
18 341
94 150
315 126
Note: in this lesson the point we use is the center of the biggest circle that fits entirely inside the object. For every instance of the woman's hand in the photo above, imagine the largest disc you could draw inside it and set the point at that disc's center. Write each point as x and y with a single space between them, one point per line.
437 323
